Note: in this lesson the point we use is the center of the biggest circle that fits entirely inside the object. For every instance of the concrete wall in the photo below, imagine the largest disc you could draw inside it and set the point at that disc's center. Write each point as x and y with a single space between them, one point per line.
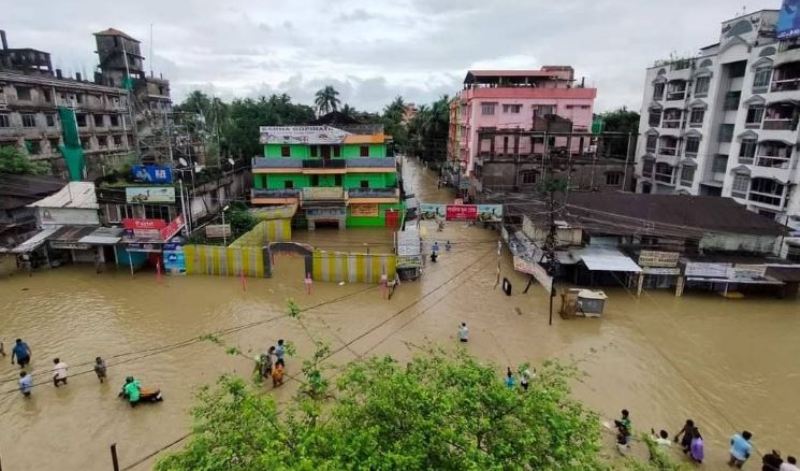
352 267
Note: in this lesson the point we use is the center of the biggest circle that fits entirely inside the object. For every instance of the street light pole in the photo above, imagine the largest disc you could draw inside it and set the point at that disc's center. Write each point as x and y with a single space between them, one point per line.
224 239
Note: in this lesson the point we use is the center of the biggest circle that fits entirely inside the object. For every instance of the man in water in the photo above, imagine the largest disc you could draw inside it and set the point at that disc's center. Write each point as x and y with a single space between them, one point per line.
686 440
662 438
463 333
132 390
59 372
790 464
280 351
740 449
22 353
25 383
510 381
624 428
100 369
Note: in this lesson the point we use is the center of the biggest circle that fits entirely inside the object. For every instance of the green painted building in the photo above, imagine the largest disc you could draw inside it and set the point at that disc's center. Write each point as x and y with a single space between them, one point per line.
340 176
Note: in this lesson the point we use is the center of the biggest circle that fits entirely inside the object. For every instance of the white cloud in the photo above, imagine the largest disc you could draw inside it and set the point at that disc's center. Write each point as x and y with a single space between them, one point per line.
373 51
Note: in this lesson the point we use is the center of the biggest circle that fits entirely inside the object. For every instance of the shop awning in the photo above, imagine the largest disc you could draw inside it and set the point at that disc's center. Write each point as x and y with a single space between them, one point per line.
69 237
103 236
34 242
607 260
740 281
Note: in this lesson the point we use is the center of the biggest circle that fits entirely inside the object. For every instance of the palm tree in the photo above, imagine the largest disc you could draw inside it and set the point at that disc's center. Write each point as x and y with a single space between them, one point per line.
326 100
348 111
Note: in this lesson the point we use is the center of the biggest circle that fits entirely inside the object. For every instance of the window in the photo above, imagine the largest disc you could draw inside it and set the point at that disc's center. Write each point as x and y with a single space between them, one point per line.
337 180
767 191
112 213
487 108
28 120
512 109
543 110
114 120
364 184
747 151
655 118
696 117
54 144
740 184
5 122
652 140
658 91
86 144
754 116
48 97
286 151
363 151
34 147
663 172
692 146
289 184
51 120
719 164
738 69
314 151
732 100
505 144
725 132
528 177
687 175
79 97
314 180
647 168
701 86
117 141
81 119
98 120
102 141
613 178
156 212
761 78
24 93
337 151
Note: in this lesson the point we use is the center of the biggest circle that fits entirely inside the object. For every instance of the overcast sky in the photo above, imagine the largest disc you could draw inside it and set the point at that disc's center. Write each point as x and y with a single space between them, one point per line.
374 50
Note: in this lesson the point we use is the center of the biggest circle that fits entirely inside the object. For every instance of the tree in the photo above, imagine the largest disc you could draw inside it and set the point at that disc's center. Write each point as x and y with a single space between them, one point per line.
349 112
393 122
619 121
436 412
326 100
428 131
14 161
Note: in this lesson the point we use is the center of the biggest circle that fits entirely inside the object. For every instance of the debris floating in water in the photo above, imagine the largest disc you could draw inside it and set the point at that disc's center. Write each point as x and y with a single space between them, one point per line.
341 283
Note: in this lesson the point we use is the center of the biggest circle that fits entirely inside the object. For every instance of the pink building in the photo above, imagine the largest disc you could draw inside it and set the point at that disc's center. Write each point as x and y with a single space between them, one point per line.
514 99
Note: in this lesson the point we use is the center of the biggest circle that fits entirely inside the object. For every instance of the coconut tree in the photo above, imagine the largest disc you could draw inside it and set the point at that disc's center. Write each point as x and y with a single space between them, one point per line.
326 100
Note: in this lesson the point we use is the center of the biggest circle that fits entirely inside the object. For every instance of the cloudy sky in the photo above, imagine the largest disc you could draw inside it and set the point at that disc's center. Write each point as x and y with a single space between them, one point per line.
374 50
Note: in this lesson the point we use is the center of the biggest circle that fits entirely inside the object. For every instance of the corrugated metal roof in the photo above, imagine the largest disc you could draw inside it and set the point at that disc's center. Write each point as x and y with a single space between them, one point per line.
103 236
34 242
607 260
78 195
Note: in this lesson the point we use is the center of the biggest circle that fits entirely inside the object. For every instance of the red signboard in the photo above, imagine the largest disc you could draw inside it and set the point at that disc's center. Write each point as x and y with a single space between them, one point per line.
130 223
172 228
461 212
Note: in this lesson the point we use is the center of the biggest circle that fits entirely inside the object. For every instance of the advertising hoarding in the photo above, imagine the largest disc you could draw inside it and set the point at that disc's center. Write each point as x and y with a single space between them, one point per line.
788 20
655 258
534 269
150 194
364 210
430 211
461 212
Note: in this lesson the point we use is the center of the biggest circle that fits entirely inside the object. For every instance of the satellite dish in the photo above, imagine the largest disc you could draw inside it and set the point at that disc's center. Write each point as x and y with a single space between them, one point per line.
183 161
230 161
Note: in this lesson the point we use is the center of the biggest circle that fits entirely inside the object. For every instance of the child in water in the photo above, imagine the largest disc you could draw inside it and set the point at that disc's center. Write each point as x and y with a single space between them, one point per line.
277 374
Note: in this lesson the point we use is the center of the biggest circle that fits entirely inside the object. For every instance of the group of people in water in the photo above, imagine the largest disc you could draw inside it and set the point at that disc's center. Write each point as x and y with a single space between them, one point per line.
21 353
272 364
692 445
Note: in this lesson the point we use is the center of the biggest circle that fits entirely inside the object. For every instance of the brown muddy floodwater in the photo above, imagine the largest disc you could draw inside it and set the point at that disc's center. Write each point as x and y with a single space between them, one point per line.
728 364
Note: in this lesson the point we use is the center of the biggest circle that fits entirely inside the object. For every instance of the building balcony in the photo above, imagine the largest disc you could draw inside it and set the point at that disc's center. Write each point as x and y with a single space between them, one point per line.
664 179
330 194
275 196
779 124
771 161
785 85
372 164
373 195
676 96
668 151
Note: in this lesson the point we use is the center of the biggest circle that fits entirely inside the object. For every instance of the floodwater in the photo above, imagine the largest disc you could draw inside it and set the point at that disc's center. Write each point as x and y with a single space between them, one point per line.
728 364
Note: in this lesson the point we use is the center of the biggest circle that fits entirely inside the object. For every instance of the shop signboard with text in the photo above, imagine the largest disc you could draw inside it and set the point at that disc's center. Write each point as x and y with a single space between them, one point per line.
155 174
150 194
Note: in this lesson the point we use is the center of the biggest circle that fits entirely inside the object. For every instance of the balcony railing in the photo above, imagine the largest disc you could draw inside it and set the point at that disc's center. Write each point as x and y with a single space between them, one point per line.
324 163
785 85
664 178
746 160
331 193
765 198
668 150
770 161
679 95
275 193
671 123
779 124
367 162
261 162
372 193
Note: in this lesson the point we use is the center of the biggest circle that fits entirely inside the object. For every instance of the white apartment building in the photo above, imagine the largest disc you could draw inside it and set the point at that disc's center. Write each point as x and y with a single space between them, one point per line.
725 122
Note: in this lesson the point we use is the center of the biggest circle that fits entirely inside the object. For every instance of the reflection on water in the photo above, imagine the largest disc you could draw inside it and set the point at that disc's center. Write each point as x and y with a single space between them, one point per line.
728 364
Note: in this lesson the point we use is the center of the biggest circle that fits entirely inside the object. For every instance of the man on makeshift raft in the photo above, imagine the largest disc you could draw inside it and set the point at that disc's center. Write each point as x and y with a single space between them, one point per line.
135 393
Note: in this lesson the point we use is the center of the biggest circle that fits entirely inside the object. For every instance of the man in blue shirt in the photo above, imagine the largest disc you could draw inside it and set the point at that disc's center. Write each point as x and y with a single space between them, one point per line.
280 350
740 449
22 352
25 383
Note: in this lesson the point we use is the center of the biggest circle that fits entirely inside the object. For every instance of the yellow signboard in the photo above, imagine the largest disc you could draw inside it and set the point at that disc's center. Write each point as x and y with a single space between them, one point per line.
364 210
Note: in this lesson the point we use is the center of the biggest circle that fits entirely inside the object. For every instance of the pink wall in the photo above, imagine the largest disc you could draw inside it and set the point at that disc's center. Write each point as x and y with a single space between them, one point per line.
575 104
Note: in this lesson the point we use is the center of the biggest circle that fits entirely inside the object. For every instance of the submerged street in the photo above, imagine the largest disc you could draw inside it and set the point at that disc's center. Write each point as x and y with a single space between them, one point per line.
727 364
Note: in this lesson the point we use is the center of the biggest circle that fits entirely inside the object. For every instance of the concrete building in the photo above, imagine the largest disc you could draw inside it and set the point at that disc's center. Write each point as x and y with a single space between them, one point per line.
31 92
505 125
340 175
725 122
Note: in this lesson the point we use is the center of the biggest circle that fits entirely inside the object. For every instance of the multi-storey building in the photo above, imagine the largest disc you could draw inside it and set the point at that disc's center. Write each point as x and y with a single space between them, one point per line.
725 123
341 175
506 125
31 92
